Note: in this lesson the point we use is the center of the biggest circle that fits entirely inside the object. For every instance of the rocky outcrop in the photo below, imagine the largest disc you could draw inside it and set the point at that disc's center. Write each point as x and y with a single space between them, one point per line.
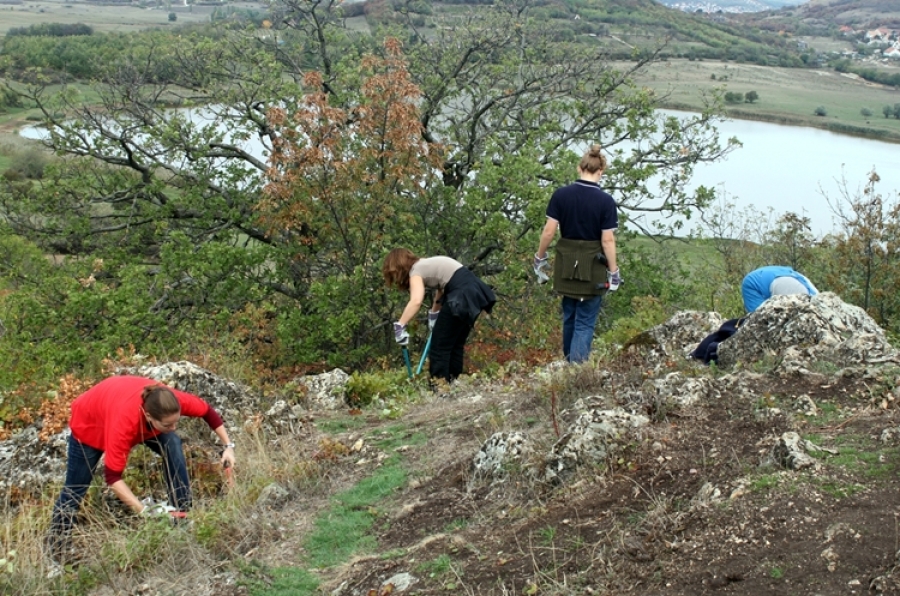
798 330
498 454
678 336
595 435
326 391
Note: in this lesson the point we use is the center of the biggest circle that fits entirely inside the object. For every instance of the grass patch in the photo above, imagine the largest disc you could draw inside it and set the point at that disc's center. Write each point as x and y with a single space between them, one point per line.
397 436
435 567
841 490
765 482
339 532
289 581
786 95
340 425
455 525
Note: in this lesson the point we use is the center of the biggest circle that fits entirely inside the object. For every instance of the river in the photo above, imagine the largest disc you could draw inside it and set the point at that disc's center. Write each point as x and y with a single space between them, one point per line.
792 168
787 168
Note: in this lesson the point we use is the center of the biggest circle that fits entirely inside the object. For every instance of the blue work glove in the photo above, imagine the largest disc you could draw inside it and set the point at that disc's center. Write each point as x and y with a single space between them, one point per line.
539 264
432 319
613 280
401 336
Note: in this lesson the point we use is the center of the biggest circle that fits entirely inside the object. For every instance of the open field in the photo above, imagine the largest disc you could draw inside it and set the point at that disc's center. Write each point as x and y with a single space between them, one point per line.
101 17
785 95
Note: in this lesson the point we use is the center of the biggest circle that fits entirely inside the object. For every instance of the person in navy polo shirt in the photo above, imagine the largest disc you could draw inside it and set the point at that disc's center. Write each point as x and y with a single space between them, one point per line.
586 217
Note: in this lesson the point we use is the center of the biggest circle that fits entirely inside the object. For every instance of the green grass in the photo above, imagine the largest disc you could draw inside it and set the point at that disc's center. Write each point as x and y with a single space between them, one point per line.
340 425
339 532
397 436
765 482
786 95
435 567
121 18
289 581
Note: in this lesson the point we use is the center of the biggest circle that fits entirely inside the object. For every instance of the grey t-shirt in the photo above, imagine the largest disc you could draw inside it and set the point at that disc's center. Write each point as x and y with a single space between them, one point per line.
435 271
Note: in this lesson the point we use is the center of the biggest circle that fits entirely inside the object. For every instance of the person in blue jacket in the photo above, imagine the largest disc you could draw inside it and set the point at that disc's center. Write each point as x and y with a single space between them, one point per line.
761 284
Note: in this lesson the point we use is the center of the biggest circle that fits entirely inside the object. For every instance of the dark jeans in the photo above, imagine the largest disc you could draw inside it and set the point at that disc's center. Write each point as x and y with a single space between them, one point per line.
448 341
579 319
82 465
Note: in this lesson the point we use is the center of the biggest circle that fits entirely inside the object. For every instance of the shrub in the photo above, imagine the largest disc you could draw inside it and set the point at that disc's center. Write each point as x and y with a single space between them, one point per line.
820 111
364 388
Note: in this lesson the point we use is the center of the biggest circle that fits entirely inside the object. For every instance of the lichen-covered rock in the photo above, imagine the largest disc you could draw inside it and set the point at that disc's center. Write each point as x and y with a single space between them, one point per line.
679 389
326 391
800 330
232 400
498 453
595 435
27 464
790 451
679 335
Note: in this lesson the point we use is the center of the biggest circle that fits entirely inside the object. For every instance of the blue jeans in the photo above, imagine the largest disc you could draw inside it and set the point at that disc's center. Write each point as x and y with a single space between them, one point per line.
579 318
82 465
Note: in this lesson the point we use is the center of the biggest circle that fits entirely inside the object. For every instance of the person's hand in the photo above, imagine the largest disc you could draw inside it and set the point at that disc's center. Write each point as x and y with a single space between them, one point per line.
158 510
539 264
613 280
401 336
228 456
432 318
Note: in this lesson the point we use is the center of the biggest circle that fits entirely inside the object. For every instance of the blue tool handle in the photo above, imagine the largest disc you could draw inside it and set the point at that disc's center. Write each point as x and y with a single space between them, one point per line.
424 354
406 359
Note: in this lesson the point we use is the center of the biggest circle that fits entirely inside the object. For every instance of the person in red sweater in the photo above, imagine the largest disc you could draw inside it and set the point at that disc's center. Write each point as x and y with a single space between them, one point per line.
111 418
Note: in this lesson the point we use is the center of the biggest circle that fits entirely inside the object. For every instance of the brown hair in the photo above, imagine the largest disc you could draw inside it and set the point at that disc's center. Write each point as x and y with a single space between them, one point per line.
159 401
396 268
593 160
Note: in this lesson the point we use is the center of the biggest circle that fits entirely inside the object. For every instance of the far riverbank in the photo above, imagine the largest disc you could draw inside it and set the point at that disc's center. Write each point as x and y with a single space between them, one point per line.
788 96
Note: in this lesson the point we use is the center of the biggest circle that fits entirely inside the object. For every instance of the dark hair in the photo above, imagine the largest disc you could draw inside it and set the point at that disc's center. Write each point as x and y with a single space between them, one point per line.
159 401
593 160
396 267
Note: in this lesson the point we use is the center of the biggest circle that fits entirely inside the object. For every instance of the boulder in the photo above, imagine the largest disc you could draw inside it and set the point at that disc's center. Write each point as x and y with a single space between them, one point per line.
679 335
28 465
498 453
595 435
232 400
798 330
325 391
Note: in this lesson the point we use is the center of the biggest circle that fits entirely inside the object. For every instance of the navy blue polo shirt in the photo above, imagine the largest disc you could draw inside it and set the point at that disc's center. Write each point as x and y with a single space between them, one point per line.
583 210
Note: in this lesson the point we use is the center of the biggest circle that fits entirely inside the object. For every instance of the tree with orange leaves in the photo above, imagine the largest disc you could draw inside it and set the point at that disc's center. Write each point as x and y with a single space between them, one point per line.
343 184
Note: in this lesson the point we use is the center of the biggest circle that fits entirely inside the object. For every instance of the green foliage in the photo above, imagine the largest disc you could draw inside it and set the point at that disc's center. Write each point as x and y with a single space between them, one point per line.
28 164
364 388
820 111
9 98
176 234
869 239
51 30
646 312
865 112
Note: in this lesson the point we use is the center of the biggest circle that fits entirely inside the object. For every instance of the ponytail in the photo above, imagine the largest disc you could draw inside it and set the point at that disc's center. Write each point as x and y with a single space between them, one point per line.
159 401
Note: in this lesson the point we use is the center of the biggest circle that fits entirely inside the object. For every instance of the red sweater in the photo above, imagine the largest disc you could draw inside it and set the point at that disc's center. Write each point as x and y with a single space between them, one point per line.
108 417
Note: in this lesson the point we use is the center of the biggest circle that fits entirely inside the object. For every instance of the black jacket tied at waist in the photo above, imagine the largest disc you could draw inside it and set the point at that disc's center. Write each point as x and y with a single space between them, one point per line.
465 296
